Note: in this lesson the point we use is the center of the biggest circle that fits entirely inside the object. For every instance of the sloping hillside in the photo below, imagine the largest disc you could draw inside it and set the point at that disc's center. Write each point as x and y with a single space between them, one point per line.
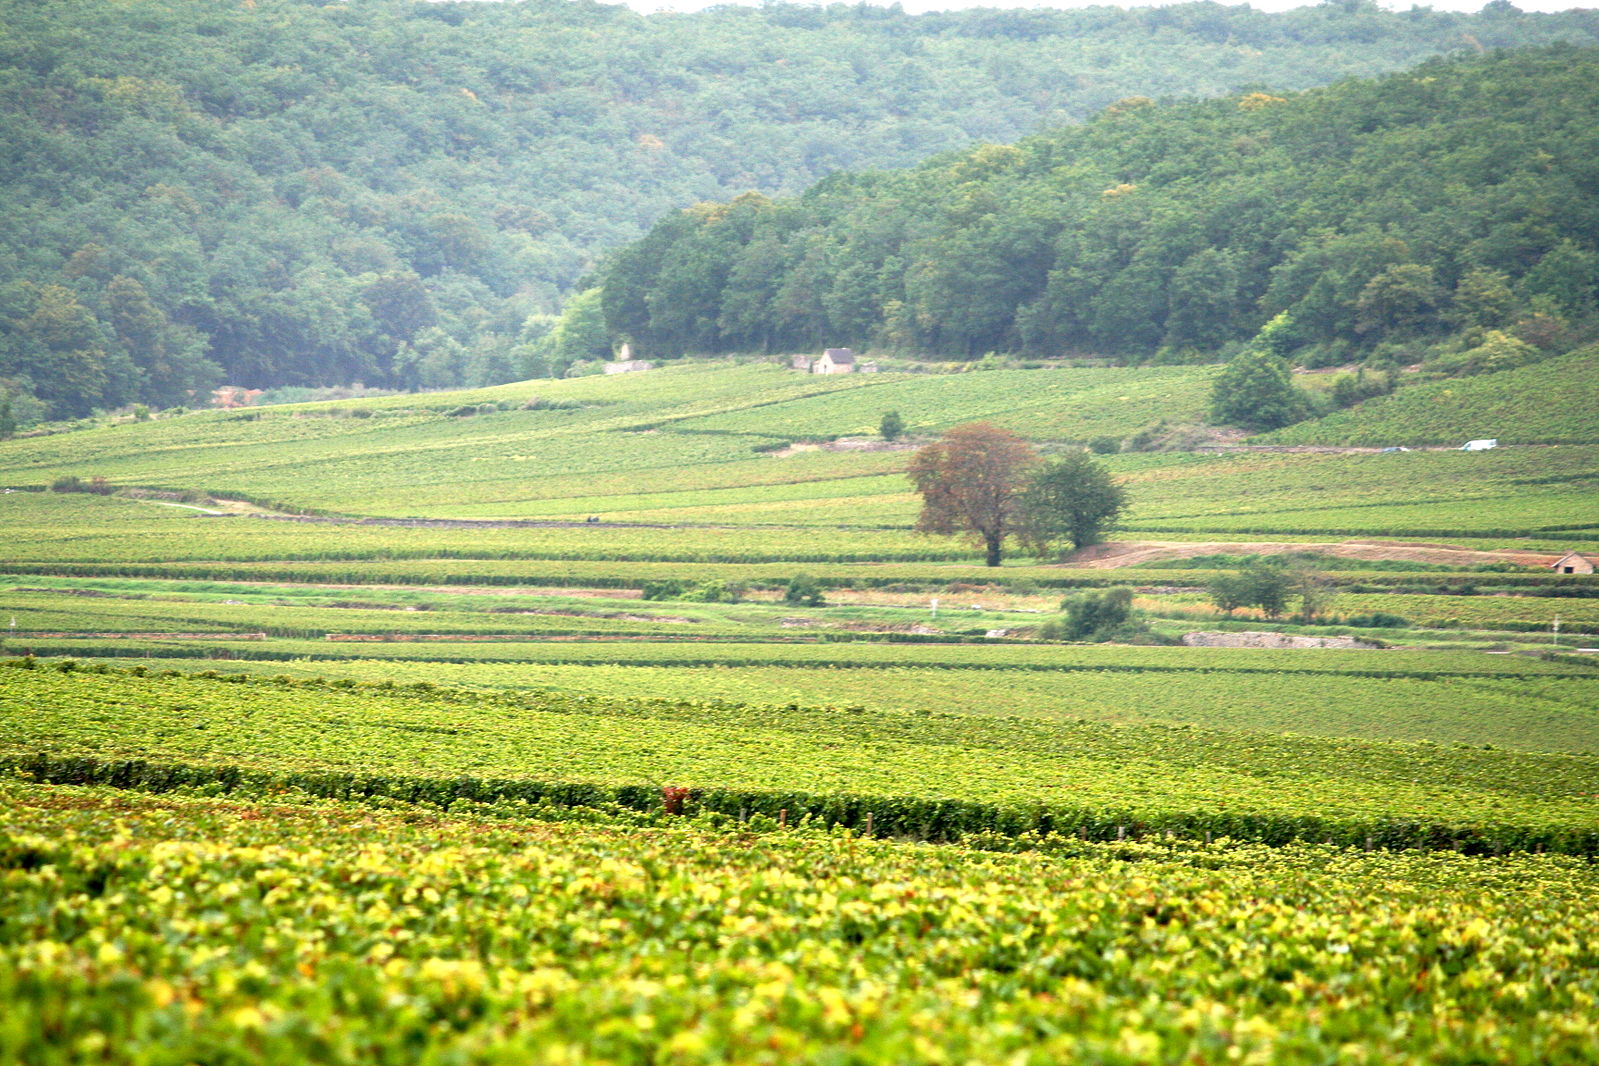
752 447
1384 219
1552 402
291 192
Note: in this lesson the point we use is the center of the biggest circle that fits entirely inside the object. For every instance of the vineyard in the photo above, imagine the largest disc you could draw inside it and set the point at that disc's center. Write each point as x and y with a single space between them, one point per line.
329 932
1528 405
340 733
713 449
936 776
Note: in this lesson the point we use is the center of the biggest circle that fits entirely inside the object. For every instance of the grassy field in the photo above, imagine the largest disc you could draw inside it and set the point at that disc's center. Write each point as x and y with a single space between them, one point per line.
1351 698
1172 778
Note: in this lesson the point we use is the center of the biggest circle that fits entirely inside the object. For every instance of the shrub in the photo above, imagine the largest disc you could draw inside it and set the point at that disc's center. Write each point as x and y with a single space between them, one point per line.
663 590
1377 620
72 483
1100 616
803 591
711 592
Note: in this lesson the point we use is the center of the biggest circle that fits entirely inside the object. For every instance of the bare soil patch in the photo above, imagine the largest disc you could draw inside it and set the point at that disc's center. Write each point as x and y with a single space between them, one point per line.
847 444
1117 554
1248 639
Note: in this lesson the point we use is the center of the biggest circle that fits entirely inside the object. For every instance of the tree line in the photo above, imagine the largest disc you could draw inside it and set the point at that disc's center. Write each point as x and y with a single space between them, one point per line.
1445 214
296 193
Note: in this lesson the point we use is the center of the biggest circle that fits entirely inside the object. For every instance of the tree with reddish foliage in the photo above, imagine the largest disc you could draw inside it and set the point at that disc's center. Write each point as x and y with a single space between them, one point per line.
972 481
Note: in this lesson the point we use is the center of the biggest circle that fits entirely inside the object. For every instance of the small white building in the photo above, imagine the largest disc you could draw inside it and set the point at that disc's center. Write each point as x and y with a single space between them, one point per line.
1479 445
1572 563
835 361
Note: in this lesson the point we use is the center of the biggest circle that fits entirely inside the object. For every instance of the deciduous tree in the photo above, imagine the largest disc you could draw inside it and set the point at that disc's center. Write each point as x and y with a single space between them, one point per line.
971 481
1073 499
1262 585
1255 390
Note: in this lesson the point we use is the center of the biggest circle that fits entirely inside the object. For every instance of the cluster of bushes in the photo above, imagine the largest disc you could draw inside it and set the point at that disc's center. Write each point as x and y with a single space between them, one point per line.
802 590
703 592
1374 620
1100 617
97 485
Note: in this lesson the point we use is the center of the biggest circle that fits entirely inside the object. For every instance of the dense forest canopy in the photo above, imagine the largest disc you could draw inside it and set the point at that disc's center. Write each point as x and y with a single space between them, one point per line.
288 192
1447 213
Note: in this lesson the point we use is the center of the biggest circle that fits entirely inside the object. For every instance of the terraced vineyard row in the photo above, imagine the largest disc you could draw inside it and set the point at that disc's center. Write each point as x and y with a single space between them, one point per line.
939 775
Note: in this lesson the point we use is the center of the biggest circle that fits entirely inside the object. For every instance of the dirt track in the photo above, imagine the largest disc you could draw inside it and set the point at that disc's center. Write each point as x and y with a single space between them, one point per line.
1117 554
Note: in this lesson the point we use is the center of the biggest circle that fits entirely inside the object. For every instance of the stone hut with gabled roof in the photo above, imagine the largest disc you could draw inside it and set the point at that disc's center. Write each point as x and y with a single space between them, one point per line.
1572 563
835 361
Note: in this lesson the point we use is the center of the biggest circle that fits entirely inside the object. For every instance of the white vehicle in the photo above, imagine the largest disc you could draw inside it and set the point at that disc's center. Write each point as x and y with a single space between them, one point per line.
1479 445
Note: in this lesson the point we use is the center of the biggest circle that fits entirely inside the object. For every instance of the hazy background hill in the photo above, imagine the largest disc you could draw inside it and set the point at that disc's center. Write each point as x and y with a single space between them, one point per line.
1444 216
291 193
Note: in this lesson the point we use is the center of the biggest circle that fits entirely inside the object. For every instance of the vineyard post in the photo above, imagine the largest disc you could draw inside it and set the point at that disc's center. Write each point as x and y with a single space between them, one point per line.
868 823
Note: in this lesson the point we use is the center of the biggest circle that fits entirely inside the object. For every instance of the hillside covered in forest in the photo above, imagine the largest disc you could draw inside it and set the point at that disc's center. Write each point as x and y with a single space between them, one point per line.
1444 216
285 192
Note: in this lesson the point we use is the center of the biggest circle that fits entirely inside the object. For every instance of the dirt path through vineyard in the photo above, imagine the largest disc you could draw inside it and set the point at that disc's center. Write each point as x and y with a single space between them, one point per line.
1123 553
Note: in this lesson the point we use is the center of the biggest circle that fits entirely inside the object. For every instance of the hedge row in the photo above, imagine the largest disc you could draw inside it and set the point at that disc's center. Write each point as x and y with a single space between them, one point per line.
904 817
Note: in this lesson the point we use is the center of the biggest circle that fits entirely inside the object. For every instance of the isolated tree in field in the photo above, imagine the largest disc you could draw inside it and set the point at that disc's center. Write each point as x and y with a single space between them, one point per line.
1255 391
1069 499
1314 590
891 426
972 482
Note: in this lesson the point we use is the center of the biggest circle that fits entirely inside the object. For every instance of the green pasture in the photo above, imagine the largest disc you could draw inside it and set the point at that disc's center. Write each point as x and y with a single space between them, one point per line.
1056 405
1506 492
100 604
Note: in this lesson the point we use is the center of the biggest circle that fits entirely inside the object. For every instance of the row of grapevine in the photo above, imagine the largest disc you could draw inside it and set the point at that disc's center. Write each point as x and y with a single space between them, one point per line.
902 817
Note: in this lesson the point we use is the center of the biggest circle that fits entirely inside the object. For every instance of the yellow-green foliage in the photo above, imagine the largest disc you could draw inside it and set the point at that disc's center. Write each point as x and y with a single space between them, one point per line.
144 931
